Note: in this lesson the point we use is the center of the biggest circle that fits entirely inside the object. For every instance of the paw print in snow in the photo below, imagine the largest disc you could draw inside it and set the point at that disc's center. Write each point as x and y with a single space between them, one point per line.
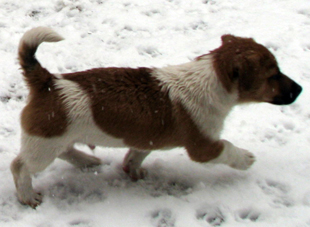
248 215
212 215
278 192
163 218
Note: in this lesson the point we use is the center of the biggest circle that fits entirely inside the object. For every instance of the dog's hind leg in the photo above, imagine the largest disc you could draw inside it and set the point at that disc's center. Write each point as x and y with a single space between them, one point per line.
36 154
79 159
23 183
132 163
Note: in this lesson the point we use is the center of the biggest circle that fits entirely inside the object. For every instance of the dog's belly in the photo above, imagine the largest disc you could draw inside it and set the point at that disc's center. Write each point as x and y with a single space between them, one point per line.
91 134
47 148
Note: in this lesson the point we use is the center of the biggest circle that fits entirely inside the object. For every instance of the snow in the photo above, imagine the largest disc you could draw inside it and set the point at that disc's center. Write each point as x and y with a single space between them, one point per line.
177 191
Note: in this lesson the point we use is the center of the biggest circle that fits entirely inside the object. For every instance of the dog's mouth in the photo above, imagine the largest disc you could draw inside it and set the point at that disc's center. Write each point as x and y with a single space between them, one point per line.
288 97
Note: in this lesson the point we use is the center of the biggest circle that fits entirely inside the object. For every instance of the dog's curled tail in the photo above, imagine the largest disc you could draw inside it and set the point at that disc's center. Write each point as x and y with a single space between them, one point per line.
35 75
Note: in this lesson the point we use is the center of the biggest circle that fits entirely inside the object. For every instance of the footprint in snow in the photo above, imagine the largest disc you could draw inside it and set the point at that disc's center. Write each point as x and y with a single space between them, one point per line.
73 192
148 51
212 215
306 199
292 110
277 191
80 223
248 215
172 188
162 218
280 132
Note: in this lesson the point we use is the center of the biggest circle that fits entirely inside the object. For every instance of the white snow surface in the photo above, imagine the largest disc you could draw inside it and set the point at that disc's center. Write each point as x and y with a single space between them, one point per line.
177 192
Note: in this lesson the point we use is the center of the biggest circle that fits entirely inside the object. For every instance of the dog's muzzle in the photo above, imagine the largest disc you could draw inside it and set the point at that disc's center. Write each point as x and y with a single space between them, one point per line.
288 96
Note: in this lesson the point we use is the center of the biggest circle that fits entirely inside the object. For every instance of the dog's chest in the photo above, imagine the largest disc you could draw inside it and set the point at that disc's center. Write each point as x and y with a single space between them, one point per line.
209 120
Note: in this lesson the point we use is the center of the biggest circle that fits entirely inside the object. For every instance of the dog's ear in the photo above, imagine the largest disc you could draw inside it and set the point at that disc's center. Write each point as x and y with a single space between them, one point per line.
239 70
246 65
228 69
236 61
228 38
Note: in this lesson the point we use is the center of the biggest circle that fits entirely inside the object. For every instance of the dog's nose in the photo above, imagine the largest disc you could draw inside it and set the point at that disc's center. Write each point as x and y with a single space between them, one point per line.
296 90
289 96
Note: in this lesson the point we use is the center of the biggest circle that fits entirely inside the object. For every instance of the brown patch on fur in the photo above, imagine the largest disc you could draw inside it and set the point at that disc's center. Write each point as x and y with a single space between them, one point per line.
203 149
130 104
44 115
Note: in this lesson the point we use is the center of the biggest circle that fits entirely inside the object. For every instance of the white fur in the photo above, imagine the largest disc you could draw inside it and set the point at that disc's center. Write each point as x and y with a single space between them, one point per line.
235 157
132 163
38 152
36 36
197 87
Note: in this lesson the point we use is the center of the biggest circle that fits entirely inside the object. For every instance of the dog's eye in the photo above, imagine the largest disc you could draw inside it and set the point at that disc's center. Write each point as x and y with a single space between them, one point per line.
275 77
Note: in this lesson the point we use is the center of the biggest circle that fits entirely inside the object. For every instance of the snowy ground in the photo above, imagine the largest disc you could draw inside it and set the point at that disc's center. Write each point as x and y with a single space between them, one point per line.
177 192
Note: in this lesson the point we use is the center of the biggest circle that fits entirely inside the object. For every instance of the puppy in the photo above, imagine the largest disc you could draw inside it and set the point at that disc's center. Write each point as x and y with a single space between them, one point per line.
143 108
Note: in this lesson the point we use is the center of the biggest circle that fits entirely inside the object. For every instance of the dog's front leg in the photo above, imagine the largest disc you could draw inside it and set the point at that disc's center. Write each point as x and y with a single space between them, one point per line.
221 151
235 157
132 164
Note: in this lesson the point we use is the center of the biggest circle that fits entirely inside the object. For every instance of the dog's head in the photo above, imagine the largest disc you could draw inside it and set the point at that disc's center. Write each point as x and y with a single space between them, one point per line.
252 70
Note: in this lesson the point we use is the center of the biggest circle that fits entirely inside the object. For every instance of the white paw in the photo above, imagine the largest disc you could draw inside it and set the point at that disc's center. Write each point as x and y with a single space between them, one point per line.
32 199
90 161
135 173
235 157
243 160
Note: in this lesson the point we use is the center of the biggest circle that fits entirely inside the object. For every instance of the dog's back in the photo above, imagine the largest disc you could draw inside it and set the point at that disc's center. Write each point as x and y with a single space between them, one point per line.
124 103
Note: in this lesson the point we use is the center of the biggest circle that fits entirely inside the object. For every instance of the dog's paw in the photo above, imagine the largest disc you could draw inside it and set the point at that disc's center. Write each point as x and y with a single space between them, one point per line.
235 157
135 174
243 160
90 161
85 161
33 200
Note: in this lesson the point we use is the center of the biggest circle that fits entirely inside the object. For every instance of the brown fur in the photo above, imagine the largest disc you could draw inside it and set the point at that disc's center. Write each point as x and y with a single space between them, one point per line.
130 104
43 110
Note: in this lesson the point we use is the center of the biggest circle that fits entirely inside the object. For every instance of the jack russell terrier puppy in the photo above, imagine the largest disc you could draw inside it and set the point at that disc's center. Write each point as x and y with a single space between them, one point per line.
141 108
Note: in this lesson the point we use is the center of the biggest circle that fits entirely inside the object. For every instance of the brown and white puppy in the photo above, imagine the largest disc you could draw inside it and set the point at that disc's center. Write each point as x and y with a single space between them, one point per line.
143 108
